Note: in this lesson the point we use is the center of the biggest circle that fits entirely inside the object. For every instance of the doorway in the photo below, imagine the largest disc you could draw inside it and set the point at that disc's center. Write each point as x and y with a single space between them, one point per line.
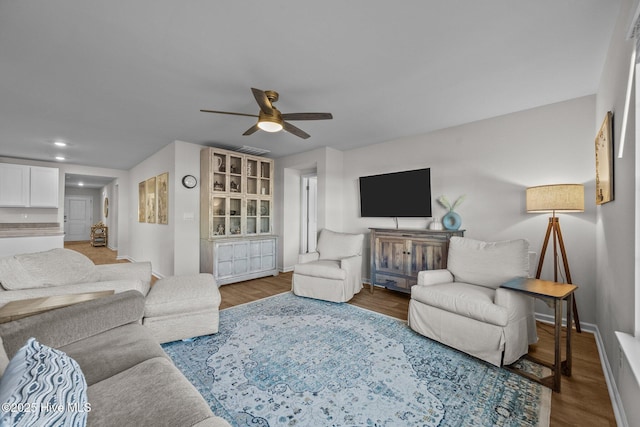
78 216
309 211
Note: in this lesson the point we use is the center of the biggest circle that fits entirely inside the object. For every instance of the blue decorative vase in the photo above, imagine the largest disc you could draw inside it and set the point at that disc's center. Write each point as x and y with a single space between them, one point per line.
451 221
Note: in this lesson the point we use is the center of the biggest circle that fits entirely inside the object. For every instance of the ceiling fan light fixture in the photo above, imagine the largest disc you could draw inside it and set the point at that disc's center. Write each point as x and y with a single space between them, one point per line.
270 122
270 126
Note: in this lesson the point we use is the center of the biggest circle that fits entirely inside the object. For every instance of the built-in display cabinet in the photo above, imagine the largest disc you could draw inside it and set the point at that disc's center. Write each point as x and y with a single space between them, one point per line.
236 205
28 186
397 256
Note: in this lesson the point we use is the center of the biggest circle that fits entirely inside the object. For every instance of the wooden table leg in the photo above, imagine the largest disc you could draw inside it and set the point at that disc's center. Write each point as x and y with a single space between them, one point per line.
566 365
557 379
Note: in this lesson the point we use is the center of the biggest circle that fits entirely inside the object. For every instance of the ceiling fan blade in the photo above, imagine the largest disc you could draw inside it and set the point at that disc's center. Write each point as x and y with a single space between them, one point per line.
307 116
252 130
263 101
294 130
227 112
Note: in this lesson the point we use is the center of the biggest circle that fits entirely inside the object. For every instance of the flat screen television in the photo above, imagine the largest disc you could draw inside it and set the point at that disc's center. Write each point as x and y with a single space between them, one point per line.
399 194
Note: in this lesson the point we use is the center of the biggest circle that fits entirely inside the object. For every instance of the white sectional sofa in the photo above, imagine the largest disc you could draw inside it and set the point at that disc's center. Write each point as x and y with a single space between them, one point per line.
176 307
64 271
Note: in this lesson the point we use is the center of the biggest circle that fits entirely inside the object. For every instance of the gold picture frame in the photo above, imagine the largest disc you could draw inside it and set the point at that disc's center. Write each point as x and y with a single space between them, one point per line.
142 200
163 198
150 204
604 161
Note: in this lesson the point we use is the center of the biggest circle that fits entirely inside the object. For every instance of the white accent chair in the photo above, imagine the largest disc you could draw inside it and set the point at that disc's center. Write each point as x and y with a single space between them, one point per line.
464 307
334 271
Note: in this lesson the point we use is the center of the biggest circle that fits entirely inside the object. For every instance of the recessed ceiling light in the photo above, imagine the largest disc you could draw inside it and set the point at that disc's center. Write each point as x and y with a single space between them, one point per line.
59 158
81 184
60 143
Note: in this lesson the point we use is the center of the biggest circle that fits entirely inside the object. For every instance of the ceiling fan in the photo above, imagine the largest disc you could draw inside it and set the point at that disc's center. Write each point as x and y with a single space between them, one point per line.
270 119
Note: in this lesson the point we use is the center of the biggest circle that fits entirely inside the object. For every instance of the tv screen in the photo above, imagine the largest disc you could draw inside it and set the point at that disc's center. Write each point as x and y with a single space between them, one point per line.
399 194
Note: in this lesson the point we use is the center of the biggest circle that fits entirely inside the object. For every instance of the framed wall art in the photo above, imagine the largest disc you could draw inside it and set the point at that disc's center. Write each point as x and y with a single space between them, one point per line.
604 161
163 198
151 200
142 200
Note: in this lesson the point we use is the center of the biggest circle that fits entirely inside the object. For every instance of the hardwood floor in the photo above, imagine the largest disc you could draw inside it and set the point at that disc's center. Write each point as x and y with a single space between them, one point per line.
584 400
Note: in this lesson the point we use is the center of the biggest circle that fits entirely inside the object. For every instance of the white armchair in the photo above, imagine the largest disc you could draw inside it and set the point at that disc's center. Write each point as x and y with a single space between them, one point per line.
465 308
334 271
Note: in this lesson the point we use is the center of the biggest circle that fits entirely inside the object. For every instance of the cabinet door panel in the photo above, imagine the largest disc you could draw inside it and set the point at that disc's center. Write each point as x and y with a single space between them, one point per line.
390 255
256 263
268 262
225 269
225 252
240 266
14 185
241 250
427 255
255 248
44 185
268 247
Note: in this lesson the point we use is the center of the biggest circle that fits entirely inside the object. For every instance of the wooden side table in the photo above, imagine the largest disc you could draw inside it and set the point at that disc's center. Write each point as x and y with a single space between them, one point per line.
552 293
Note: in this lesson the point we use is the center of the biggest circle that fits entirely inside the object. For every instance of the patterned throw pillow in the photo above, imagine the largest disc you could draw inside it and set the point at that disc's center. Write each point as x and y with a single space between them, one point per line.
43 386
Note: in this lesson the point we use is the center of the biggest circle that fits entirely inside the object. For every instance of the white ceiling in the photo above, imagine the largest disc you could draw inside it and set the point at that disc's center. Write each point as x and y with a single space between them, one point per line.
119 80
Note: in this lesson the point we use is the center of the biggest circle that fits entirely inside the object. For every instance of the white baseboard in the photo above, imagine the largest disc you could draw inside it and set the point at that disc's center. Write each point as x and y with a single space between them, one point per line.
616 401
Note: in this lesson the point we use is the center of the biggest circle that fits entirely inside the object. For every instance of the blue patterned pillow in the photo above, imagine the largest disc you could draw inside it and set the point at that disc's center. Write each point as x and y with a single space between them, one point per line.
43 386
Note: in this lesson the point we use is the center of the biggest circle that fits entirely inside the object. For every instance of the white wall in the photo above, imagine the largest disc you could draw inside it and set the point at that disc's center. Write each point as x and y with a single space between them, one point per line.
327 162
491 161
152 241
173 249
617 222
185 209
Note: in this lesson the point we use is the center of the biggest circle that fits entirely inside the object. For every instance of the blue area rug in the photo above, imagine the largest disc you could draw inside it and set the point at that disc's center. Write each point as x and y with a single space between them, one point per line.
293 361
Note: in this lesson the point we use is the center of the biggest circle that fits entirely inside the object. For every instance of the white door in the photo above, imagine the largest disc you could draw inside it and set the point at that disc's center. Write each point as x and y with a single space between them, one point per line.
77 218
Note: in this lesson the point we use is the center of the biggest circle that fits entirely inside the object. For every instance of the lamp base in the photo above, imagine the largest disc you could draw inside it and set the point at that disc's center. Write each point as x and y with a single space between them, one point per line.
554 227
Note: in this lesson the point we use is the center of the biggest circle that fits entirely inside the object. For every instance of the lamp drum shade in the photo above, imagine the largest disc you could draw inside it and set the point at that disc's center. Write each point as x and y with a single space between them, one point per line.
556 198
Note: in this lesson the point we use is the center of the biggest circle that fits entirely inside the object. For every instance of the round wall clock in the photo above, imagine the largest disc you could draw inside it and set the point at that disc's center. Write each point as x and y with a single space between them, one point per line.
189 181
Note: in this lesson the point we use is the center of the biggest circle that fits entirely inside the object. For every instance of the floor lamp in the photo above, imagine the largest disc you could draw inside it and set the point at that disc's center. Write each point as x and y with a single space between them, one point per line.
556 198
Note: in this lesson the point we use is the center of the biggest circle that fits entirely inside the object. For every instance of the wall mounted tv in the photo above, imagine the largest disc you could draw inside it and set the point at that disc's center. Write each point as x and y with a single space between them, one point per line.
399 194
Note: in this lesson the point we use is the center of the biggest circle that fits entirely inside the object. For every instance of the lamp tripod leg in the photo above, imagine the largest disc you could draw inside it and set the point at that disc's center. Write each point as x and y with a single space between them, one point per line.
568 273
554 225
544 249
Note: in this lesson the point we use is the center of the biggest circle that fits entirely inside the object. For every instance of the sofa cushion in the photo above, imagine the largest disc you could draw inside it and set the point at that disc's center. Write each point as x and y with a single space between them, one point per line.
464 299
328 269
487 264
150 393
49 268
182 294
333 245
46 386
113 351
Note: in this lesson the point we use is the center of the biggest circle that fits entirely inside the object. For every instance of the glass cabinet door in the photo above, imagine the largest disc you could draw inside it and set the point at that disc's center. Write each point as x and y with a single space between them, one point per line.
258 177
220 172
219 215
235 216
240 191
265 216
252 216
227 216
265 178
252 176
